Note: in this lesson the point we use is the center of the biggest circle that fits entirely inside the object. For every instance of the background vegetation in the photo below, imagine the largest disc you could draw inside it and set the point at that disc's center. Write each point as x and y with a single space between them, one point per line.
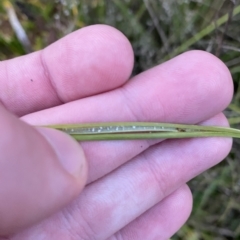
158 30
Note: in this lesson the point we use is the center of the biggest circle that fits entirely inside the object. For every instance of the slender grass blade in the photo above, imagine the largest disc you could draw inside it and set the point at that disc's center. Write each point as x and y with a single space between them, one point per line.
142 130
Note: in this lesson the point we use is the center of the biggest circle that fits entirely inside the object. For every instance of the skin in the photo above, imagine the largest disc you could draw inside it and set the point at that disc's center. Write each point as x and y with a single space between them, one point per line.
134 189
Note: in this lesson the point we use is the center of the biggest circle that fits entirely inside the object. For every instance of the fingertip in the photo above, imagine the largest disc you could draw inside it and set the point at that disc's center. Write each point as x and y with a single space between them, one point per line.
119 48
177 208
197 81
211 71
183 201
116 41
91 60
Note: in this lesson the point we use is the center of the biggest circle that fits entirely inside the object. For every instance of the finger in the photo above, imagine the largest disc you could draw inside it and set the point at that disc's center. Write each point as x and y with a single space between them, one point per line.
92 60
143 182
161 221
181 90
117 199
41 171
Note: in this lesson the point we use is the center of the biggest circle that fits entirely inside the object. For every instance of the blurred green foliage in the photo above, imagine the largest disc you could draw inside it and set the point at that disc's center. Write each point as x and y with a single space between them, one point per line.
156 29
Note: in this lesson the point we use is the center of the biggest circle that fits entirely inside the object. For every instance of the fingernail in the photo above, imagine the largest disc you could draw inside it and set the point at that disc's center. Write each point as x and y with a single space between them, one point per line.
69 152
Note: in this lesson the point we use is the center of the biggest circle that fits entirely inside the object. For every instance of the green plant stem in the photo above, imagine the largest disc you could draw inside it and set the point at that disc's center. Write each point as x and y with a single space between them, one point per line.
142 130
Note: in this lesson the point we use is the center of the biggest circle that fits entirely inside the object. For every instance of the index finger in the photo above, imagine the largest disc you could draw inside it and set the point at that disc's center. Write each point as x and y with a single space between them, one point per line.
92 60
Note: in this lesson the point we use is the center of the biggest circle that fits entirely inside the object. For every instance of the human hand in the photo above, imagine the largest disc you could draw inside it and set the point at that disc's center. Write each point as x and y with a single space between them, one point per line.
135 189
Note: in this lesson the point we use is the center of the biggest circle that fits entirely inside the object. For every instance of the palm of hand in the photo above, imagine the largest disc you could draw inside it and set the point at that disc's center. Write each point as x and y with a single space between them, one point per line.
135 189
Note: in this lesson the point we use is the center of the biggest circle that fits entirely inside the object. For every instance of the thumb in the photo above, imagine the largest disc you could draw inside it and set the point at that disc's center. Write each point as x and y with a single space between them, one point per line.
41 170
